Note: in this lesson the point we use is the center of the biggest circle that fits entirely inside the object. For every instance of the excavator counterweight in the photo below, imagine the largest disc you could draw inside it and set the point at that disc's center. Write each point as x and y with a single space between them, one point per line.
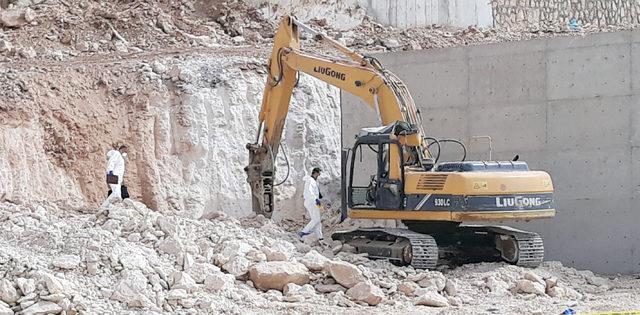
436 201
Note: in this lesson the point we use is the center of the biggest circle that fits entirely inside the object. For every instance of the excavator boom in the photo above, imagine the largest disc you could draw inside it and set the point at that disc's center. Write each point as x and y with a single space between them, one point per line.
361 76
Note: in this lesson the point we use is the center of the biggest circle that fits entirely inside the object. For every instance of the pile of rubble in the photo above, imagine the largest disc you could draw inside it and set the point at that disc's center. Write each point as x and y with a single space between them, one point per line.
63 30
129 257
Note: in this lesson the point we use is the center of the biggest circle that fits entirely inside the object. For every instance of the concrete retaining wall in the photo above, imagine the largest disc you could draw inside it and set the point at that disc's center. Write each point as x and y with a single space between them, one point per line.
566 105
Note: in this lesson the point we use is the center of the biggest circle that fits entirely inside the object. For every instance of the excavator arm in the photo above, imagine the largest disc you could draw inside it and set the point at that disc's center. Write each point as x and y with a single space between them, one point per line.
361 76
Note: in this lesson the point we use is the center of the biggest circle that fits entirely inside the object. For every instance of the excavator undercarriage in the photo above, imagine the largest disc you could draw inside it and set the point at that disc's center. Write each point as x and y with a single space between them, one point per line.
460 245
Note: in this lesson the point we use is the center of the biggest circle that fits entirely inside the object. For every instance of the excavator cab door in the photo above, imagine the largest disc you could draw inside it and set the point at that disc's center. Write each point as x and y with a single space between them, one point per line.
370 186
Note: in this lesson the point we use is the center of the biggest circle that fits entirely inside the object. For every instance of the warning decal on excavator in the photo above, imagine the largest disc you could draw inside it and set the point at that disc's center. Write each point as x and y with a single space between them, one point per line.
480 185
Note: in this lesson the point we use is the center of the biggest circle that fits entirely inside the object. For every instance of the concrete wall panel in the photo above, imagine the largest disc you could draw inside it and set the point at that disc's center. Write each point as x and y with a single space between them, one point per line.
589 72
635 171
634 113
610 116
635 68
446 122
582 243
444 84
601 173
523 74
521 127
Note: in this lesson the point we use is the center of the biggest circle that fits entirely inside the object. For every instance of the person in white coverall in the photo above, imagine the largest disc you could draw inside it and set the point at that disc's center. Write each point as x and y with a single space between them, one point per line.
312 203
115 166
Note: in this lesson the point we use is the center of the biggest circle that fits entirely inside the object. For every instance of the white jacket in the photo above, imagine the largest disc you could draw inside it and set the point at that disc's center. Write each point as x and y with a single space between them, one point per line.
115 164
311 190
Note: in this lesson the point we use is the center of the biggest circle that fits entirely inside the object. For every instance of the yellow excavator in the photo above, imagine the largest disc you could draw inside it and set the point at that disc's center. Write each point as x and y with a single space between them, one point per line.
403 180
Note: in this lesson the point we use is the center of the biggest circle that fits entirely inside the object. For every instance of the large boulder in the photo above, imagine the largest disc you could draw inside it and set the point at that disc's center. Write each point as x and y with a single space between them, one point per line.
16 17
134 261
433 279
182 280
233 257
200 271
132 289
42 308
169 245
237 266
528 286
219 281
66 261
276 274
366 292
4 310
532 276
54 284
451 287
274 255
409 288
344 273
314 260
279 250
8 292
26 285
432 298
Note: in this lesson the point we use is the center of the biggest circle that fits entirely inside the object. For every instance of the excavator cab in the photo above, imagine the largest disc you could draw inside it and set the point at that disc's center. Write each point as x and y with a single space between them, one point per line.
373 147
381 192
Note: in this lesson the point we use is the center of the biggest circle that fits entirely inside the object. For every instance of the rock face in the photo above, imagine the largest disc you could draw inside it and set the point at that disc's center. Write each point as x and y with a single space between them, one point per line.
366 292
276 274
344 273
181 133
432 299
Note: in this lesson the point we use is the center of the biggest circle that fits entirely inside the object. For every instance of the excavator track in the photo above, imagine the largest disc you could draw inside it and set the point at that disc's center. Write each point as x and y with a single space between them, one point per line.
423 248
529 246
468 244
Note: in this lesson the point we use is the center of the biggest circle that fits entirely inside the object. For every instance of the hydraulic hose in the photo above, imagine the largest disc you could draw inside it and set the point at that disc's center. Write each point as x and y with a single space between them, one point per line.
286 159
